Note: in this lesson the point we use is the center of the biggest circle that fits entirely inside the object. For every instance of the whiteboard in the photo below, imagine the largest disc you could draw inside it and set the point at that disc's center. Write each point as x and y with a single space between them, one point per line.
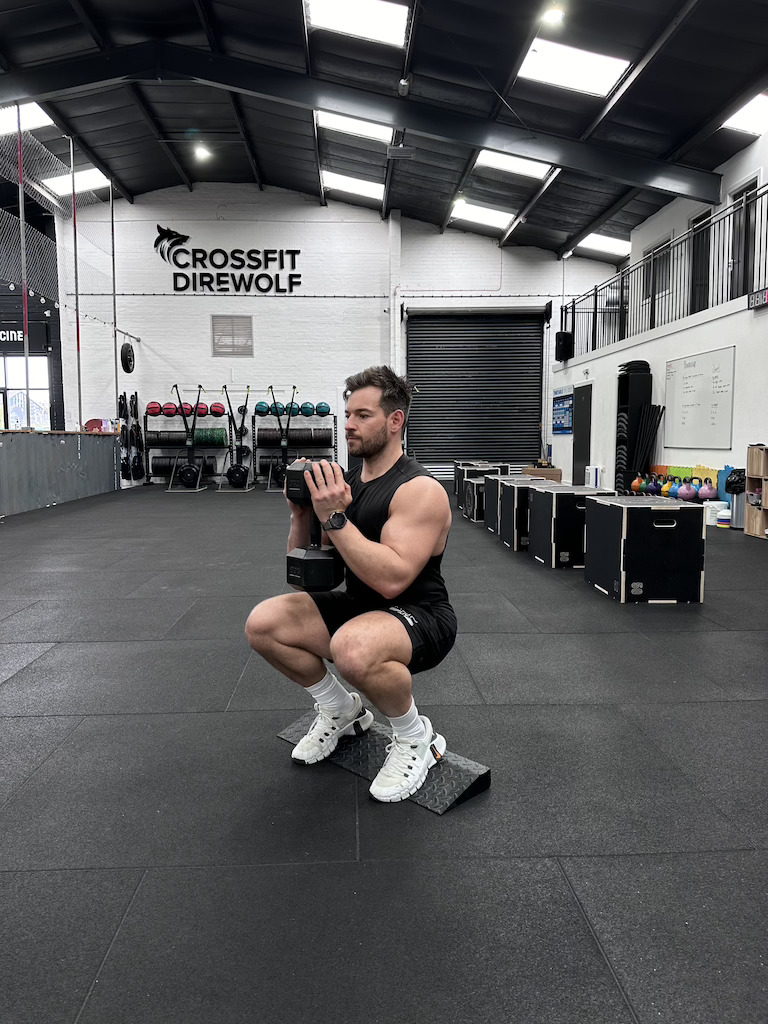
699 400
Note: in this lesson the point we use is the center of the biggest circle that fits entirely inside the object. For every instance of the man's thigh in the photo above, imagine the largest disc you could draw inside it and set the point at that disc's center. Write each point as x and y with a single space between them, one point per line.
293 620
374 636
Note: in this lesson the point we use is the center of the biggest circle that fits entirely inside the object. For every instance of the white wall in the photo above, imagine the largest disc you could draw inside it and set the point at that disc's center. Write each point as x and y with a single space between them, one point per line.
356 271
729 324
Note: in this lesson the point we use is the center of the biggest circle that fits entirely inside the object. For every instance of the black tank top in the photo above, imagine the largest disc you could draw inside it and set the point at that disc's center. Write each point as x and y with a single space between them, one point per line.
369 512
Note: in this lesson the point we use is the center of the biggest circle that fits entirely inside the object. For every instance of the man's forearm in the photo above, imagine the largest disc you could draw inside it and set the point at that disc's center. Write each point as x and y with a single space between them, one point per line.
299 534
377 565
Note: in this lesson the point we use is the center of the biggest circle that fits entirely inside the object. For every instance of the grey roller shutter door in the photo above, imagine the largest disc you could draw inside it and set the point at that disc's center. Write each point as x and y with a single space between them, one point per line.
479 381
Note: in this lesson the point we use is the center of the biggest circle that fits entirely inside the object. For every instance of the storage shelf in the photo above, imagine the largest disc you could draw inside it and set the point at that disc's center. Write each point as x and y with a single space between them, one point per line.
756 516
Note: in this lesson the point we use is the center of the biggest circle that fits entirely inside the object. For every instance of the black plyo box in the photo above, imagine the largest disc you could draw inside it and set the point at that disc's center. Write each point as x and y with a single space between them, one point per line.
451 781
493 494
464 473
513 510
642 549
557 524
473 505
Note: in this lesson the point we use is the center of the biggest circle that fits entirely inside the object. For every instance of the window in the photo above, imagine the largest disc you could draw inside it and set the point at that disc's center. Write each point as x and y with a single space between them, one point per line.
656 271
232 335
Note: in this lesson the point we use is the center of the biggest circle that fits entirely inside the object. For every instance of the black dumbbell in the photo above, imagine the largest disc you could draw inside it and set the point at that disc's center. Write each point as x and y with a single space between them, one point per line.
314 568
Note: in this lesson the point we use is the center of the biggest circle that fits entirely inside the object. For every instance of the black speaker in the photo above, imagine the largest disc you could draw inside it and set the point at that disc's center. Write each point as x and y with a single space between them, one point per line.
563 346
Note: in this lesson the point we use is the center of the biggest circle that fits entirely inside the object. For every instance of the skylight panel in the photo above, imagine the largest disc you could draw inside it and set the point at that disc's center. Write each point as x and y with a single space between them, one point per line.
353 126
85 180
32 117
488 217
512 164
367 19
752 118
352 186
604 243
569 68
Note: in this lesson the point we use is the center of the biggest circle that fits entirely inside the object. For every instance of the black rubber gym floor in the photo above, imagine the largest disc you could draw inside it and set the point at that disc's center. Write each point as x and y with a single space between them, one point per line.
163 861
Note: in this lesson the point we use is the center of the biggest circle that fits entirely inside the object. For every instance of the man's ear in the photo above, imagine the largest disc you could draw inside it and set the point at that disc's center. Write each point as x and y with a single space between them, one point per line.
397 419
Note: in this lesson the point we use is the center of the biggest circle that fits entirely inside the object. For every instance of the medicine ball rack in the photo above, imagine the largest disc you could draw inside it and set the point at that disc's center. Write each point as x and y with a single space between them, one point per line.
192 446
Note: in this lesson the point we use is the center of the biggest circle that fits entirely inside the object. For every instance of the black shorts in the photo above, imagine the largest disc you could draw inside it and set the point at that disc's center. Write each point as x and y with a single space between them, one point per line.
432 628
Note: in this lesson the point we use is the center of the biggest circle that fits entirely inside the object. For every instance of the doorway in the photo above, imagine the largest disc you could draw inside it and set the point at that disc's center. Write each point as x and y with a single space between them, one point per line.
700 250
743 241
3 409
582 431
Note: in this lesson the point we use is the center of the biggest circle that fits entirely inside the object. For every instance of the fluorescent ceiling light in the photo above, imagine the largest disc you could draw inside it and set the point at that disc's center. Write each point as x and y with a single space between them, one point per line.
554 15
84 181
463 210
352 186
352 126
367 19
31 117
604 243
201 153
569 68
513 164
752 118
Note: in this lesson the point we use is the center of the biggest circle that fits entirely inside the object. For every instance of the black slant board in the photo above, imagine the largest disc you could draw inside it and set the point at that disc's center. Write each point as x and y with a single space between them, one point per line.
453 779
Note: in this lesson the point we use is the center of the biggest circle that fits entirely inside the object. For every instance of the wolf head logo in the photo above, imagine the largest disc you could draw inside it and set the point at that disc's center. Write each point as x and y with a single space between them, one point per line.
167 240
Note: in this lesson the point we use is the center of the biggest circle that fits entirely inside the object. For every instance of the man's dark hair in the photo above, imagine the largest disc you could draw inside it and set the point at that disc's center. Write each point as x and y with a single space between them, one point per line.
396 392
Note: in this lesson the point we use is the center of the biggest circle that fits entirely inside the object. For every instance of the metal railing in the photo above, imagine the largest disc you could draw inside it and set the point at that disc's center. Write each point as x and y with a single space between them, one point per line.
720 257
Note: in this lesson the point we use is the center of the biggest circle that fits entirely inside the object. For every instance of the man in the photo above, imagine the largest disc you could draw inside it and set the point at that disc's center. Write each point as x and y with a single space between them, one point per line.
389 520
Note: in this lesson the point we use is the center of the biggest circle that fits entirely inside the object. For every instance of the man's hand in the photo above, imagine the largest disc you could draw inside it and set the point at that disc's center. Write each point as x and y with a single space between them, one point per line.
330 492
297 511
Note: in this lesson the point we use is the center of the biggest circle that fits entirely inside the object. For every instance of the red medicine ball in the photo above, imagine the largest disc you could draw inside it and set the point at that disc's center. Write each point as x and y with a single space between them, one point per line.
217 409
154 408
187 408
169 409
202 409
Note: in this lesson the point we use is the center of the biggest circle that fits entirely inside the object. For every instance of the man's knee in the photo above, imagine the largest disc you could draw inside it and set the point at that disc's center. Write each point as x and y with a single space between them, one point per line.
262 624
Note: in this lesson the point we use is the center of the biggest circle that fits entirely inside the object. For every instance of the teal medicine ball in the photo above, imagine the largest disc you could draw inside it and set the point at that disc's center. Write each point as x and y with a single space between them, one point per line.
292 408
261 409
307 409
322 409
277 409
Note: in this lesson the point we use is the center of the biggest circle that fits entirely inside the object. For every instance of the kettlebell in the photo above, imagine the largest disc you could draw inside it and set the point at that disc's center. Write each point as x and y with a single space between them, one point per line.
687 491
696 486
674 490
644 485
654 487
636 484
667 486
708 491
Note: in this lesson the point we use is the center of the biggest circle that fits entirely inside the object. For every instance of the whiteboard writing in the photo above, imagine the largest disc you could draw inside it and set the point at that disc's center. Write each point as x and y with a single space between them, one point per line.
699 400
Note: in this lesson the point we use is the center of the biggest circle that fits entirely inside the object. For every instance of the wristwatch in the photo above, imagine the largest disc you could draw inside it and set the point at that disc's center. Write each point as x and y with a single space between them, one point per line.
335 521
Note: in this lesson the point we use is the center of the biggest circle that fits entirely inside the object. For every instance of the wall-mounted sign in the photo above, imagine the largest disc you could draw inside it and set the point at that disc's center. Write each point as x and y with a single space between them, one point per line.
562 410
12 334
227 271
757 299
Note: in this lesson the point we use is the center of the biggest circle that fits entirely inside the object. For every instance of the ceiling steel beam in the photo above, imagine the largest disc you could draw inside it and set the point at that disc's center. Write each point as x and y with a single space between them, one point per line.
702 133
61 122
499 104
213 42
619 90
315 137
176 62
87 21
151 123
398 136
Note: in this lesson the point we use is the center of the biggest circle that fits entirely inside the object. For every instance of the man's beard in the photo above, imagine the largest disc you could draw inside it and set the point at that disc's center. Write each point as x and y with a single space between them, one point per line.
368 449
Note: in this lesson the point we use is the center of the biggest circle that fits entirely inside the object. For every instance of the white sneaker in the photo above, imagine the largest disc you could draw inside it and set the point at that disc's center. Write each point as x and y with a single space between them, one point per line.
328 728
405 769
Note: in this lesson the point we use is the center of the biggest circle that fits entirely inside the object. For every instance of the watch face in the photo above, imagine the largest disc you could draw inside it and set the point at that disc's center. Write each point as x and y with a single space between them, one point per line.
337 520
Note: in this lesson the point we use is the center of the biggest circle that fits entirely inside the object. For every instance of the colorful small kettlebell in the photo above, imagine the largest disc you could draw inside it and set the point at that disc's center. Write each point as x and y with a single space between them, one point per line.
637 484
708 491
687 492
667 486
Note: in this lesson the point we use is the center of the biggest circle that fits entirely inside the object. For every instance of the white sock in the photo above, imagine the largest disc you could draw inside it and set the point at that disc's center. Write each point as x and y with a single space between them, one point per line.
409 726
330 694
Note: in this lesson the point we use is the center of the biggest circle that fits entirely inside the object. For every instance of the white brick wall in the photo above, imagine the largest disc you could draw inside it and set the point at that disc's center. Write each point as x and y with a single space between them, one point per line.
356 270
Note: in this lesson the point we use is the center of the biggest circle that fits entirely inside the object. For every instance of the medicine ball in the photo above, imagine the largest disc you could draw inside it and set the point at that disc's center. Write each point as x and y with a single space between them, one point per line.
293 408
187 408
307 409
217 409
154 408
261 409
169 409
202 409
322 409
277 409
